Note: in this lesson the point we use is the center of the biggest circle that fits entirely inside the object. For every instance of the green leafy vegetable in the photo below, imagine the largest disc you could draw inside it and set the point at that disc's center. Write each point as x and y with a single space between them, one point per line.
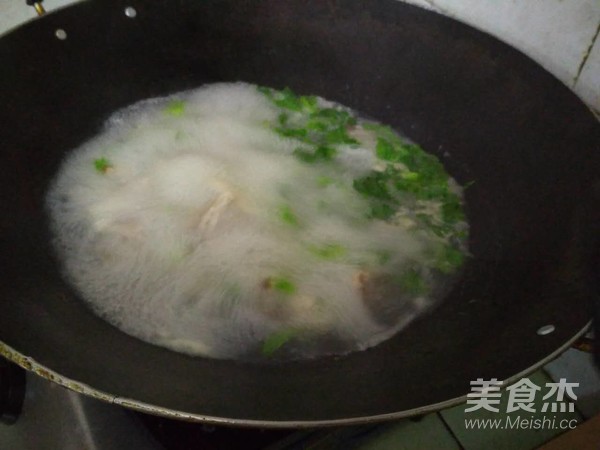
383 131
339 136
303 119
288 100
283 119
411 178
449 259
102 165
374 185
298 133
281 284
308 103
413 283
321 153
388 152
336 116
175 108
277 340
287 215
452 211
381 211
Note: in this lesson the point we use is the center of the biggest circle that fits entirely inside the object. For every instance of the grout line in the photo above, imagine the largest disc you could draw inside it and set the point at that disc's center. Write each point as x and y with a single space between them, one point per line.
586 55
577 410
449 430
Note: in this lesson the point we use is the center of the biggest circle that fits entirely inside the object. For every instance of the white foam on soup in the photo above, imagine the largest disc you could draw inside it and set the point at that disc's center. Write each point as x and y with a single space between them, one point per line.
197 230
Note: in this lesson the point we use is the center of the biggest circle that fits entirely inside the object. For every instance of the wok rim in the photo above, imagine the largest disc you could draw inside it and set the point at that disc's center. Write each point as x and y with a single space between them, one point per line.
43 371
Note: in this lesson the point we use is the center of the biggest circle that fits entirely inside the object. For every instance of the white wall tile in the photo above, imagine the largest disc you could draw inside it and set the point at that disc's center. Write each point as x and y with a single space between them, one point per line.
578 367
588 84
15 12
556 33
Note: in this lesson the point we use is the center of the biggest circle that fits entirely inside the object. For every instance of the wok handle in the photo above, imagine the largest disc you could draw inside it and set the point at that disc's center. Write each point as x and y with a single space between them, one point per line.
596 302
593 224
37 5
12 391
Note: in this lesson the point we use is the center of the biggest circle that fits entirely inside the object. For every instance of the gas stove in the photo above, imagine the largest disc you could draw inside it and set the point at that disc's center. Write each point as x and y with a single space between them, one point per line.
37 414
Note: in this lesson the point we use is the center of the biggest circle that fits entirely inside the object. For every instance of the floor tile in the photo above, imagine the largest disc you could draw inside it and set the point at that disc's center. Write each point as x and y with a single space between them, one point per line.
428 433
578 367
513 438
585 437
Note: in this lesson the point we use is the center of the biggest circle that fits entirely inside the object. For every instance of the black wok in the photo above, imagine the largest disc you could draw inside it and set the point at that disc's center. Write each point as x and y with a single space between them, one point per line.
490 113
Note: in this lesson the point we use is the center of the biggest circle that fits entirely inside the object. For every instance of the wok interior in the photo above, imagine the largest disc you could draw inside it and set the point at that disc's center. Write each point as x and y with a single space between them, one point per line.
490 114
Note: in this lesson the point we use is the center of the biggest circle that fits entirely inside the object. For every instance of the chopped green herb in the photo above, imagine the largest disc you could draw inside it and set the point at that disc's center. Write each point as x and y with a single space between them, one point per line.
322 153
410 176
175 108
385 132
439 229
410 173
277 340
408 184
325 153
282 285
102 165
381 211
298 133
413 283
388 152
374 185
283 118
288 100
449 259
266 91
309 103
287 215
316 125
335 116
339 136
452 211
